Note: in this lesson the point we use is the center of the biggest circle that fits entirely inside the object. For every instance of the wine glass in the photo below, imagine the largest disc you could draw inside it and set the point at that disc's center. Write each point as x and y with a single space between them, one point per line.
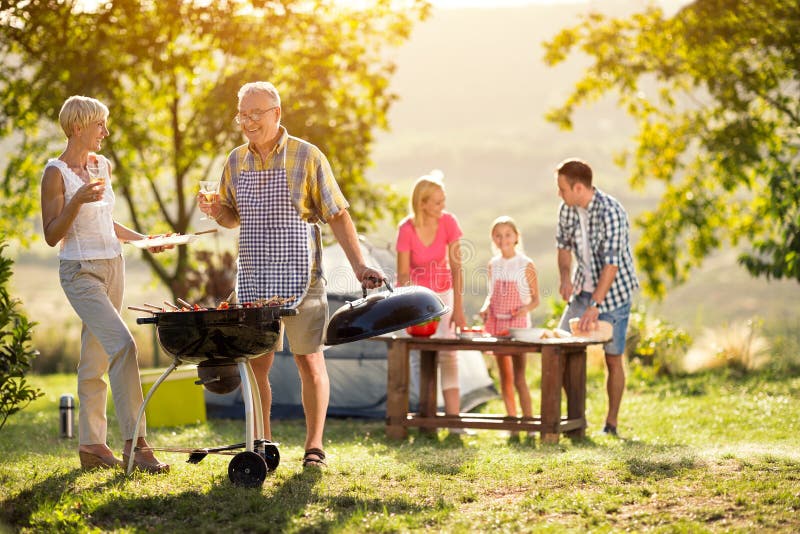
209 189
98 174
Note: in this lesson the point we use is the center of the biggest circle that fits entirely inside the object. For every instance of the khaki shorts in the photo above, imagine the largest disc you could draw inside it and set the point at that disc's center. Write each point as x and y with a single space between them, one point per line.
306 330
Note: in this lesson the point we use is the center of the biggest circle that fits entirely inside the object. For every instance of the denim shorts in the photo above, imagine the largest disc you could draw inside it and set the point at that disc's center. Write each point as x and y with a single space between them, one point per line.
618 317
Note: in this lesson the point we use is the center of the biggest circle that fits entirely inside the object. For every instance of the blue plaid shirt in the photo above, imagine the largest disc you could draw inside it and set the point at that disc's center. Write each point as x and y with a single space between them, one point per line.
609 244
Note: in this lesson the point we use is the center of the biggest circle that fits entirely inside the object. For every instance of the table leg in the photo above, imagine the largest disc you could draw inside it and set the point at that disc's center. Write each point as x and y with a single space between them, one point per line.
427 387
575 387
552 380
396 389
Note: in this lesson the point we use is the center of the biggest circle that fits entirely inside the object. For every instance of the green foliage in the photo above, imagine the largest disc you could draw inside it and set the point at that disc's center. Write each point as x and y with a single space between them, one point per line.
16 352
713 90
785 342
169 72
555 307
655 346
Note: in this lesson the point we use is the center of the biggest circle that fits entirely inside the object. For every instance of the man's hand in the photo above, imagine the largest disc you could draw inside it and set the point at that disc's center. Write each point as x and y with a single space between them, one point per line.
370 278
589 319
565 289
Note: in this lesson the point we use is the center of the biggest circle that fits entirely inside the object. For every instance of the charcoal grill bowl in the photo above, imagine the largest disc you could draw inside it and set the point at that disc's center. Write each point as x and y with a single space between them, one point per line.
198 336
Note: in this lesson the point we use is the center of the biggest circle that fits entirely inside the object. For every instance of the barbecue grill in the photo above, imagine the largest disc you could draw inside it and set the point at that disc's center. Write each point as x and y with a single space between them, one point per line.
218 339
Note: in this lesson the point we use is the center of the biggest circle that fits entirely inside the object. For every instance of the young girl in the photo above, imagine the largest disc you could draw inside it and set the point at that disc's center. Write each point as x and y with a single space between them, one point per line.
513 293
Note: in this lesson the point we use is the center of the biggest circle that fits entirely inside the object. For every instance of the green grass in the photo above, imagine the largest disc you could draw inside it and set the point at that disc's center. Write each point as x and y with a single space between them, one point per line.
711 453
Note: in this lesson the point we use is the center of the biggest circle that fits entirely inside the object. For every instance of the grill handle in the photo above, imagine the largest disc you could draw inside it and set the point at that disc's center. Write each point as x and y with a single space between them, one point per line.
373 279
147 320
284 312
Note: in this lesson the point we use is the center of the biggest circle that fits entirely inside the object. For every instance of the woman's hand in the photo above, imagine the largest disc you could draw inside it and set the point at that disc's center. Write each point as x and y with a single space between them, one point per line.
160 248
91 192
458 318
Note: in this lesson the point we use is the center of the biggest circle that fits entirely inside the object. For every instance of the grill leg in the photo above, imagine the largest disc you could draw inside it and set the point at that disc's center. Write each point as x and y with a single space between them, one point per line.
153 389
247 398
258 413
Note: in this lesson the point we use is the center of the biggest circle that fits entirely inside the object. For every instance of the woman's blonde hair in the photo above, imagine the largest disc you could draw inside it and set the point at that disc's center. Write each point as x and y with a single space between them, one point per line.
423 189
78 111
505 219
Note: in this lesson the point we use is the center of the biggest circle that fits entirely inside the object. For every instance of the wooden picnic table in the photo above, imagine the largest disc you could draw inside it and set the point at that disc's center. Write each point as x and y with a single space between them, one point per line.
563 366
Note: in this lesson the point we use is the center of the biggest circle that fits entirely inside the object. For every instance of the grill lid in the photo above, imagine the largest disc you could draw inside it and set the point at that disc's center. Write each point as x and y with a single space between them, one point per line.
383 312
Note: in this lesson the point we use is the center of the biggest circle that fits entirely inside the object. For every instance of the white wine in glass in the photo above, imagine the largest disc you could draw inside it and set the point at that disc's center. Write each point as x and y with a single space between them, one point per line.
209 189
98 174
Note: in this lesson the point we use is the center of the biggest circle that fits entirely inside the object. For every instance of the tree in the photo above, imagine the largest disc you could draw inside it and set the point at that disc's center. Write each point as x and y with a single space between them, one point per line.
714 91
169 71
16 352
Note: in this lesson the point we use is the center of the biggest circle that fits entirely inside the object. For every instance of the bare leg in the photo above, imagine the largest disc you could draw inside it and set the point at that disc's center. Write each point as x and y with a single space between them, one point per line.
615 386
505 366
261 367
452 401
316 392
521 384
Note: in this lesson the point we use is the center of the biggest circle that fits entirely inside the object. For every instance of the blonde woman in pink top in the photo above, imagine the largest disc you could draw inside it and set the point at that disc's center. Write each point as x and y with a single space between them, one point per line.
429 255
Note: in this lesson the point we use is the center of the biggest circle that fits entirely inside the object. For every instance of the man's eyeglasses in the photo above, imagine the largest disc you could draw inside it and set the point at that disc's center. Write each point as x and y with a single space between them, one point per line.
253 116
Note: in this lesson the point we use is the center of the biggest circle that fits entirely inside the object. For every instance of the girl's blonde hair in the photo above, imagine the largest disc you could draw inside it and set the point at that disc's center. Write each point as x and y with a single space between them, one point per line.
505 219
79 111
423 189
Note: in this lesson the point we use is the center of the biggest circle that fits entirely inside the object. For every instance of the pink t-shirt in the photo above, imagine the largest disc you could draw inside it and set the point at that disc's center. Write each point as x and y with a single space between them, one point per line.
429 264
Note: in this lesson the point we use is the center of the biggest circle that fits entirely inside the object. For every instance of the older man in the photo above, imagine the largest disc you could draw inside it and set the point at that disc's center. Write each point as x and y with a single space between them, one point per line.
594 226
278 189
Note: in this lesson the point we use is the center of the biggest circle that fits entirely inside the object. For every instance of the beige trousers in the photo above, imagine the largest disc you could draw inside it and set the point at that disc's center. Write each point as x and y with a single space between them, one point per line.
446 359
94 289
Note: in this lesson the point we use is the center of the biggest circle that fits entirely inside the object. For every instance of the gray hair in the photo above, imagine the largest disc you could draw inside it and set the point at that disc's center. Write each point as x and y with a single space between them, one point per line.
260 87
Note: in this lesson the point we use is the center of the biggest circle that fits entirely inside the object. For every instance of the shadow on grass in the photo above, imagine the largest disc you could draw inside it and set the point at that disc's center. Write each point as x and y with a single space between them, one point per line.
295 503
18 510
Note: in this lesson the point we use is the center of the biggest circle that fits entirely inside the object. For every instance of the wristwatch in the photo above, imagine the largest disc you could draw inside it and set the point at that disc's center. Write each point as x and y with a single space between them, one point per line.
594 303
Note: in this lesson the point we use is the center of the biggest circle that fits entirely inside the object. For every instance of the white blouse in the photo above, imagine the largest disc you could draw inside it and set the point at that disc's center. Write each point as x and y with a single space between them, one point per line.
91 236
511 269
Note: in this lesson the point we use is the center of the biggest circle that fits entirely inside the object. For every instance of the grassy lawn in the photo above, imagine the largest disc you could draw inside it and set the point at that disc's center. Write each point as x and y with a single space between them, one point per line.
710 453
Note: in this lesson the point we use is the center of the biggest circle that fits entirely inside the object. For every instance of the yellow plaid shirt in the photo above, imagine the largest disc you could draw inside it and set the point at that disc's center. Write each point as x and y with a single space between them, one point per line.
315 193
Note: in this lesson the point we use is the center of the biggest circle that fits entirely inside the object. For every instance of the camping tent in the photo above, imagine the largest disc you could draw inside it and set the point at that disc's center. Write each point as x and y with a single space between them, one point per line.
357 370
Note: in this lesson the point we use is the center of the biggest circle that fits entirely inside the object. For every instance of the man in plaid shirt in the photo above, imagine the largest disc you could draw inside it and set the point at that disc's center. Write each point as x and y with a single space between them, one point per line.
594 226
278 189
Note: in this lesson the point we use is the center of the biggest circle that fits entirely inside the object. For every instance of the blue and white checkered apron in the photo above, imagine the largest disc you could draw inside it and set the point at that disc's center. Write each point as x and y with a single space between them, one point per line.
274 248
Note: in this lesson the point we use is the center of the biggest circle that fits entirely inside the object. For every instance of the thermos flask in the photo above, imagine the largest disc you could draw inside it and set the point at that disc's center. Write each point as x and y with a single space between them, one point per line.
67 413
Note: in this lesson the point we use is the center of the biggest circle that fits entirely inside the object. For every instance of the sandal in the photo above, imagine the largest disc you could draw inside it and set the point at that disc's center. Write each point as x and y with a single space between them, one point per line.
309 459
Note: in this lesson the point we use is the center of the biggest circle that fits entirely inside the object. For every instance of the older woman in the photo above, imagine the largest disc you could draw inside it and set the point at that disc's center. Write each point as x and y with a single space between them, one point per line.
77 213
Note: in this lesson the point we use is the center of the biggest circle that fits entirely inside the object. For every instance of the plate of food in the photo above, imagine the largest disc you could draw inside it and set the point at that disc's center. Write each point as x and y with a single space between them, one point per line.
602 331
526 334
470 332
533 335
164 240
